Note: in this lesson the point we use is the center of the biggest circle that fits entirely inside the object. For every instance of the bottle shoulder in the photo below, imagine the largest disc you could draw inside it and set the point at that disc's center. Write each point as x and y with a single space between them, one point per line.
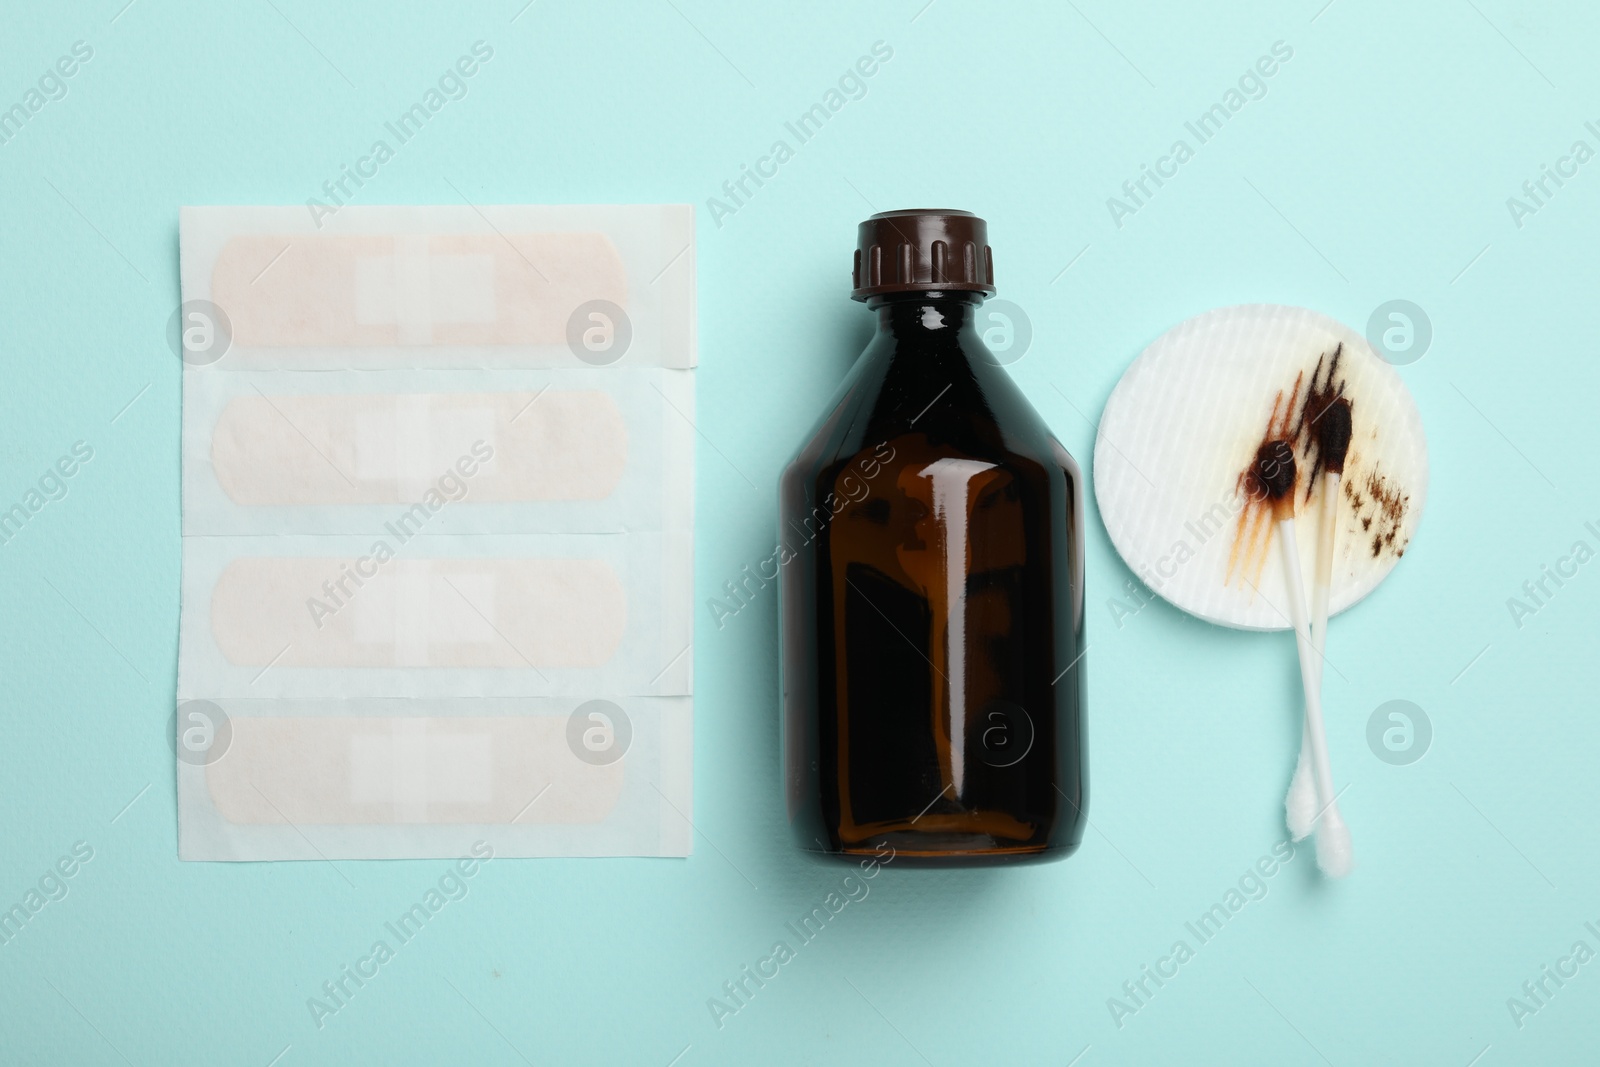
956 397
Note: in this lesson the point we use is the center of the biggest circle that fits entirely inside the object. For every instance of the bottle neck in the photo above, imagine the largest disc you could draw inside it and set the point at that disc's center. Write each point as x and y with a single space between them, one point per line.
931 317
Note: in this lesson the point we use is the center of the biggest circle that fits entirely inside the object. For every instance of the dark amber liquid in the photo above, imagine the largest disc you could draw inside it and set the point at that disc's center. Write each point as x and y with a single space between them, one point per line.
932 608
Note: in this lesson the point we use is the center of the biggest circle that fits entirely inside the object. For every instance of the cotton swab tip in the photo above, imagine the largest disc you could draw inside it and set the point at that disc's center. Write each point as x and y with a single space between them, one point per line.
1335 851
1333 435
1300 805
1274 469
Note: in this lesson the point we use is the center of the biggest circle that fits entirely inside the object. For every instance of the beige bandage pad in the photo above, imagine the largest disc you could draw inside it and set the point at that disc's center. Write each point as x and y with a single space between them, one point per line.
315 771
557 444
310 612
289 290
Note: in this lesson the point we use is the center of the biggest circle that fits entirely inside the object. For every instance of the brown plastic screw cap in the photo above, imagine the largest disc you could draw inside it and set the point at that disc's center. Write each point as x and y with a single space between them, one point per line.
918 251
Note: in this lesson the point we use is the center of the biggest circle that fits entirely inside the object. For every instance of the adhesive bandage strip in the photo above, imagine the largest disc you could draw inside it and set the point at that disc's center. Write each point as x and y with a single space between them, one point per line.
411 289
376 612
436 616
352 769
569 445
594 450
438 493
534 777
443 286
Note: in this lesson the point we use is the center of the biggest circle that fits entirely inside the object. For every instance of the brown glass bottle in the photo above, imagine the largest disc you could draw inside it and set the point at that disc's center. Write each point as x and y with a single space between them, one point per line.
932 591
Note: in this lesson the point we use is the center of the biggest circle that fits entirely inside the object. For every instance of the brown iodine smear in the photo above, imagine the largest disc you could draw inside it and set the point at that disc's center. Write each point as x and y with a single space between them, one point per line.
1381 507
1275 471
1252 533
1317 420
1318 415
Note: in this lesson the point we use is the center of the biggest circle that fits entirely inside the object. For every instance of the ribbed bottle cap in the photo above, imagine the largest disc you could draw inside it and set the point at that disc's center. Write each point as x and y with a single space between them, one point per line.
917 251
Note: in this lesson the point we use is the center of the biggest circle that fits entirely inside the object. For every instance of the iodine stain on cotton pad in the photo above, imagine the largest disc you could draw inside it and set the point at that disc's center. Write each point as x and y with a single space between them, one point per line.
1179 437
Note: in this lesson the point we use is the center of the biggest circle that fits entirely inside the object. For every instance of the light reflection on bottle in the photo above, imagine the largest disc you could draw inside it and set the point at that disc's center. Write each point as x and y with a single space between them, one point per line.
952 495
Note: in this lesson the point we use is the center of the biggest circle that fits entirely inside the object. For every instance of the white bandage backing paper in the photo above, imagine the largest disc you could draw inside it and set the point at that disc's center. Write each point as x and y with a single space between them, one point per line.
438 485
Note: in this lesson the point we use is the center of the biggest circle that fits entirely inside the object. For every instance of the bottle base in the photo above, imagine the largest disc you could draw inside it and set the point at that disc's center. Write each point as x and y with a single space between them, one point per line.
971 851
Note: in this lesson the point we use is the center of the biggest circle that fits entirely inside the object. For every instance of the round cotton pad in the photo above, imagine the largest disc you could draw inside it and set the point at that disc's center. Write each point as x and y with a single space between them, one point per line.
1178 437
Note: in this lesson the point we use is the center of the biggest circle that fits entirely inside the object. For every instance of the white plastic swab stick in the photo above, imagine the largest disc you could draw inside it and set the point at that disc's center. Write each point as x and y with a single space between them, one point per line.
1301 803
1331 429
1334 849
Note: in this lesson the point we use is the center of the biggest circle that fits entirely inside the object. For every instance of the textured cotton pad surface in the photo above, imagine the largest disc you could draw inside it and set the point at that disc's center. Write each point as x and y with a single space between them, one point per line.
1182 429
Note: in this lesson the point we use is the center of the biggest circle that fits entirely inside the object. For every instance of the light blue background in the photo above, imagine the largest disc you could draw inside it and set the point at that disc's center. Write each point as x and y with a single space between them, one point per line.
1377 167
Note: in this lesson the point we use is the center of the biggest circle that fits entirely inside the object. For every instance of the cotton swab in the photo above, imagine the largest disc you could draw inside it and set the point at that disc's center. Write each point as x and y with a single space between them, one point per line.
1332 430
1275 470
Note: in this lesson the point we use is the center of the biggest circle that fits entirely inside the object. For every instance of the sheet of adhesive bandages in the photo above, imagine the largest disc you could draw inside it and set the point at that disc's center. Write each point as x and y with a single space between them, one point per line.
438 498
